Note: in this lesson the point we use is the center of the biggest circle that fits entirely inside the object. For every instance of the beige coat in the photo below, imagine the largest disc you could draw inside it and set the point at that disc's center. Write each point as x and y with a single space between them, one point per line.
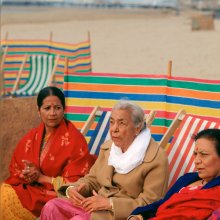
141 186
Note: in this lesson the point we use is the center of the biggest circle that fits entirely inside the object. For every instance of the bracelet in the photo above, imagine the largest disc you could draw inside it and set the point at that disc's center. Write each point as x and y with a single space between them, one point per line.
140 217
52 180
67 191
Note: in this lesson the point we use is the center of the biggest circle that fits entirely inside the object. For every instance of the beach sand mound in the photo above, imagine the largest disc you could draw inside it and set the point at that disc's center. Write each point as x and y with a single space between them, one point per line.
18 116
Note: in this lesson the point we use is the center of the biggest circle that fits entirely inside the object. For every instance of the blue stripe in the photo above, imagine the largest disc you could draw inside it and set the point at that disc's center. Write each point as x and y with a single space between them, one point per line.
83 64
144 97
117 96
95 132
194 102
102 140
13 62
157 137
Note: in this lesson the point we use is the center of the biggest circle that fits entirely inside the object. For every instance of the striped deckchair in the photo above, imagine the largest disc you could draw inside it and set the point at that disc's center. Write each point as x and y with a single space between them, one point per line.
200 98
79 56
180 150
42 68
101 131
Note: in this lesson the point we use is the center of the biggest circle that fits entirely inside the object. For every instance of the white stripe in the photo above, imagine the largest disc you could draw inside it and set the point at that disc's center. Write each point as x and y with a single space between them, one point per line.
190 154
184 146
41 70
40 83
40 74
100 133
179 138
37 75
31 79
46 73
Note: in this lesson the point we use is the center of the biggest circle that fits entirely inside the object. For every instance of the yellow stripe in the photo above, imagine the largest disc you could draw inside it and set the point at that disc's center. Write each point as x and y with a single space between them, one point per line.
45 43
159 106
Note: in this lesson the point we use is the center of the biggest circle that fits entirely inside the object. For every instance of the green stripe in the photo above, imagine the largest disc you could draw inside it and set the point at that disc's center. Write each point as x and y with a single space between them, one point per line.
11 69
79 117
144 81
162 122
116 81
79 55
8 86
76 117
194 85
83 71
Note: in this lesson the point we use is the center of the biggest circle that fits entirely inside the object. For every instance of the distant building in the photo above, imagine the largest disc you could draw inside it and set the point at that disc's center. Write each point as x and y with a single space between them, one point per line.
202 4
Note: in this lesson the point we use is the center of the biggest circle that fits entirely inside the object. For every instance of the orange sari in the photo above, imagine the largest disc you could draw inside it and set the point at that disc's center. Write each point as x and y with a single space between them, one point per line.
64 155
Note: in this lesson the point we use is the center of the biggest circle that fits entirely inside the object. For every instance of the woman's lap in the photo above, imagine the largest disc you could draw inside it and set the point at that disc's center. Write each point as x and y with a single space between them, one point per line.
63 209
11 207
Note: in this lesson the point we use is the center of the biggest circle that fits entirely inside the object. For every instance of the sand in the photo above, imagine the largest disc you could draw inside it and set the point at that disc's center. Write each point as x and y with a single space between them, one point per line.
124 40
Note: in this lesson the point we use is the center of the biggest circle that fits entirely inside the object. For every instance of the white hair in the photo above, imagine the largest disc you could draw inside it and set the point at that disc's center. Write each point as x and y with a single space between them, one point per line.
137 113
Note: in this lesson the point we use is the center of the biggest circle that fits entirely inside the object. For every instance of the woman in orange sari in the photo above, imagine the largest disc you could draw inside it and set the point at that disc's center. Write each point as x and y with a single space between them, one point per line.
195 195
45 158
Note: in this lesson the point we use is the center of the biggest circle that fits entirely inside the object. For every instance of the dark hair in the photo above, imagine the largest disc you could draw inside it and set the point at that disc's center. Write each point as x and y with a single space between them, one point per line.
211 134
48 91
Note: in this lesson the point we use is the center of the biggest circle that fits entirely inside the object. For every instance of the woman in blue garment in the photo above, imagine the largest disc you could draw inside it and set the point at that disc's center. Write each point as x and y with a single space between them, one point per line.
194 195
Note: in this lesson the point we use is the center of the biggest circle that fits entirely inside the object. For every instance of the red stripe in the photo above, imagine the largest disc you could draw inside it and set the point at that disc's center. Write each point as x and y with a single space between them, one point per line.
187 153
188 147
176 154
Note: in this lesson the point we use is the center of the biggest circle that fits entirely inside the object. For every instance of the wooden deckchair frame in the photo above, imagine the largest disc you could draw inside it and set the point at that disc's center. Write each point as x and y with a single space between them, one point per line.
97 112
180 150
101 133
172 128
2 61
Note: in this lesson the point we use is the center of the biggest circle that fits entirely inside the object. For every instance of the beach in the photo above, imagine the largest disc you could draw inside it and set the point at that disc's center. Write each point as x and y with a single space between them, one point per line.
140 41
124 40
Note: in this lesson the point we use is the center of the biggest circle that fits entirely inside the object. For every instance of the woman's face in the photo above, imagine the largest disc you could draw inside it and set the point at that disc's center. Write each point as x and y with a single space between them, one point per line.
207 161
51 112
122 129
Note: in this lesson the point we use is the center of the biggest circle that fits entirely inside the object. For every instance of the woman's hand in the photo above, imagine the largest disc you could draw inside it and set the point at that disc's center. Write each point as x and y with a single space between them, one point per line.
30 172
95 203
74 195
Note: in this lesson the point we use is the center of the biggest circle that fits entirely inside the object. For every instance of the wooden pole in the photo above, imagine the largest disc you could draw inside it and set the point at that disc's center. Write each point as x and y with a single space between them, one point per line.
66 63
6 35
52 76
50 42
2 58
19 74
169 69
90 50
51 36
3 53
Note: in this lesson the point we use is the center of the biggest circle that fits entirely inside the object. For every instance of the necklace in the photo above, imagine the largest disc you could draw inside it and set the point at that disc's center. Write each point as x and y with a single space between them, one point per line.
203 182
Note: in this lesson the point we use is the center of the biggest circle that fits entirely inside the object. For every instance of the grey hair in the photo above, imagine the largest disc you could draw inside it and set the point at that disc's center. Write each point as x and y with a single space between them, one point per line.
137 113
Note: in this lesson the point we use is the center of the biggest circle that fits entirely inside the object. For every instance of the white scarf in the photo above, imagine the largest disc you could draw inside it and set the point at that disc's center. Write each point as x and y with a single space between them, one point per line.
133 157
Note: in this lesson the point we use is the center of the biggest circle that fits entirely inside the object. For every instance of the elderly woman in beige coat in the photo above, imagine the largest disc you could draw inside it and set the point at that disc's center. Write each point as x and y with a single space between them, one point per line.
131 171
